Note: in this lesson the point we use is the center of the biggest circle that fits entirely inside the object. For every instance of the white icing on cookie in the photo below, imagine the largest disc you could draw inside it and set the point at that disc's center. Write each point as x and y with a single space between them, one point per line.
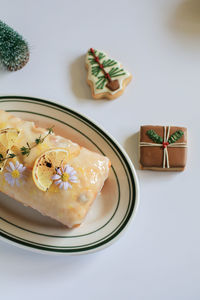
94 79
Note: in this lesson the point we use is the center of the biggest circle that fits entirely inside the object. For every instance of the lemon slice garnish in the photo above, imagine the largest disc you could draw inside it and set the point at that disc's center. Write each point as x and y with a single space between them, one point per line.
8 138
46 165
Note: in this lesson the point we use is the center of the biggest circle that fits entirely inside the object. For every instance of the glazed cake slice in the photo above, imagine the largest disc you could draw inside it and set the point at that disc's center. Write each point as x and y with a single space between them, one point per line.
68 206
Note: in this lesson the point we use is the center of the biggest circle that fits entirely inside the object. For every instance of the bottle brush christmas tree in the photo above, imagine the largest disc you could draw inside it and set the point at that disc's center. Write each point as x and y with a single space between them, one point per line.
14 52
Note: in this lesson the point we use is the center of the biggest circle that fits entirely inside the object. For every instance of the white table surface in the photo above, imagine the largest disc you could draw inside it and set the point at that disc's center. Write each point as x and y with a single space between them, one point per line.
158 257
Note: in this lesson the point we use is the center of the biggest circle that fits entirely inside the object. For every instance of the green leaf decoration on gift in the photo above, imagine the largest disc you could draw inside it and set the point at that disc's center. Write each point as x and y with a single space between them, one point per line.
154 136
159 140
100 68
175 136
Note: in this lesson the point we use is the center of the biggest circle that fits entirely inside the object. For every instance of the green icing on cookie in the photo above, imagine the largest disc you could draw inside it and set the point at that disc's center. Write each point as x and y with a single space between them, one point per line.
101 66
175 136
154 136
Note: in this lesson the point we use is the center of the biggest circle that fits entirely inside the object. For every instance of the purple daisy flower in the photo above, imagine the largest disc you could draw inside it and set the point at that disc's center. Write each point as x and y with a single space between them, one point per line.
14 174
64 177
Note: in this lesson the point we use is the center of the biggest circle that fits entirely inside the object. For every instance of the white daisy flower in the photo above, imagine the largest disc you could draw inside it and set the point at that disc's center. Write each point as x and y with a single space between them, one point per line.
64 176
14 173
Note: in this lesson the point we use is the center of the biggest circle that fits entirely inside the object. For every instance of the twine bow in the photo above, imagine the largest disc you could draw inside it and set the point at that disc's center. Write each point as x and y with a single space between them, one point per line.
165 144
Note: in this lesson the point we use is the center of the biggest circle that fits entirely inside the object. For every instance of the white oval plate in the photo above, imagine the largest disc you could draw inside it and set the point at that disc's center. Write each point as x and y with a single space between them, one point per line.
111 211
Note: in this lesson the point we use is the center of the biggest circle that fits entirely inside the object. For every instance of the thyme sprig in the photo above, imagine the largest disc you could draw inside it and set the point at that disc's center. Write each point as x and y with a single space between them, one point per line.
25 150
40 140
10 155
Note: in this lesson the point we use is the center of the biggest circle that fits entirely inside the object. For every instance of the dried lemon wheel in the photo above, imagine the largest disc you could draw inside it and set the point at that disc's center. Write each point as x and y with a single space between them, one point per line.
8 138
46 165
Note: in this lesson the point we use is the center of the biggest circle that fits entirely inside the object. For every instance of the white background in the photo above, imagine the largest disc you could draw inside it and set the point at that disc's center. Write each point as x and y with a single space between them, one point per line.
158 257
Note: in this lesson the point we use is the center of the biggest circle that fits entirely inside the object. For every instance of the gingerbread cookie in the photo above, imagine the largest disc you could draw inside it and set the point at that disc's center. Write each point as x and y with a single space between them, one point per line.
106 77
163 148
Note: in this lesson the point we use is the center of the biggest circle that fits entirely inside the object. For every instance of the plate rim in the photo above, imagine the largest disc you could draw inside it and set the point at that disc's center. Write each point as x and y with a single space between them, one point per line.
130 168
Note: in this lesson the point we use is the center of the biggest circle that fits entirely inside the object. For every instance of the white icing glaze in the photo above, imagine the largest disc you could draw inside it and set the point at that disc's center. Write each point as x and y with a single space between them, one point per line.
83 198
94 78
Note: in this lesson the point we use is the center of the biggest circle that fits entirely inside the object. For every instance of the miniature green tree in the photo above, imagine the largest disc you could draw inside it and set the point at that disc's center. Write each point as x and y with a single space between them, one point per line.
14 52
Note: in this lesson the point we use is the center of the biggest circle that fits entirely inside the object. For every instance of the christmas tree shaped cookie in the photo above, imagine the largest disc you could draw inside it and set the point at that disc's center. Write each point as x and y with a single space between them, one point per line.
106 76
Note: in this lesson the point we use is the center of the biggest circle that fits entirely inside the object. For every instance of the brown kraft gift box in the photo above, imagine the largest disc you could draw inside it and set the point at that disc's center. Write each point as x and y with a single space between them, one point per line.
159 152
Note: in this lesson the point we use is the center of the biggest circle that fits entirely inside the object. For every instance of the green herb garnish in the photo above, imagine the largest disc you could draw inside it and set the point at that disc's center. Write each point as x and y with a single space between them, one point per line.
25 150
